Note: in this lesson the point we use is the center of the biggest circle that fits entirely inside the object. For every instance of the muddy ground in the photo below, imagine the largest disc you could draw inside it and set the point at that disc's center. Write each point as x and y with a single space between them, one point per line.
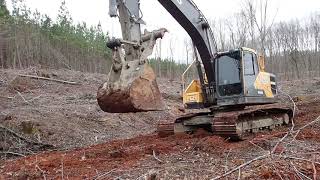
82 142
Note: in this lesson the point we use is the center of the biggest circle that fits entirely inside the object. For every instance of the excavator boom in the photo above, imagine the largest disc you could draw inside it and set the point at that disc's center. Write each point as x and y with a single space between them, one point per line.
197 26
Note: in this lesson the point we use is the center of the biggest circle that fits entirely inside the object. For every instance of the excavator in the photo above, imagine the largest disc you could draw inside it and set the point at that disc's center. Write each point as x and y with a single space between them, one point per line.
235 93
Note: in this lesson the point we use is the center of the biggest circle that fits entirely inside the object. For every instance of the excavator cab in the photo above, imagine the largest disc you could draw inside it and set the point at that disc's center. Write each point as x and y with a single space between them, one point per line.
240 80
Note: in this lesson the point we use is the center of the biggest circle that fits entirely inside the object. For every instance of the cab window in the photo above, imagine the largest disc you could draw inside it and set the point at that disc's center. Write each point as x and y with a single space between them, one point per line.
248 60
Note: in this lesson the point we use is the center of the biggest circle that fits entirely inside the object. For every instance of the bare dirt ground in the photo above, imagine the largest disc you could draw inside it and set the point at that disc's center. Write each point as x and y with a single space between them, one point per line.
91 144
68 115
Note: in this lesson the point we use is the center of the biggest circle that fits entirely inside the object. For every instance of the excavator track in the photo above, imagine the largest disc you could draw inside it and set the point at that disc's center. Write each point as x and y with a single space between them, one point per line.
236 125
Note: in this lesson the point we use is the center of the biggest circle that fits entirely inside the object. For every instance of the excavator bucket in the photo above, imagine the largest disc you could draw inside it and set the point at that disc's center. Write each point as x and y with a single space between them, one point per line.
132 85
134 89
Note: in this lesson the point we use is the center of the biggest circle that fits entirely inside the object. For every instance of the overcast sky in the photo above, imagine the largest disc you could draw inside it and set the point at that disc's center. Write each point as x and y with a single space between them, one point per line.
94 11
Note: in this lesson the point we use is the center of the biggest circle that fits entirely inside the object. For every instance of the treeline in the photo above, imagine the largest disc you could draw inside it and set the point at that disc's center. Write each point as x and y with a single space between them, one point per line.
31 39
167 68
291 48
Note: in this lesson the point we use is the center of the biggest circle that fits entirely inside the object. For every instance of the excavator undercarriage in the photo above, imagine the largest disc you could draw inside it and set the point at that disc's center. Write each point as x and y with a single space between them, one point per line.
233 124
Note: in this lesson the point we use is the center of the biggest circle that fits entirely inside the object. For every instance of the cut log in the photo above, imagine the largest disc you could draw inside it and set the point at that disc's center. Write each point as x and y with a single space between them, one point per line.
134 89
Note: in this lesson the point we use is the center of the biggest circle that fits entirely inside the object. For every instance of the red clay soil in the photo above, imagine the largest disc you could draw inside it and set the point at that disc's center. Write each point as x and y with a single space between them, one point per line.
89 162
308 112
84 163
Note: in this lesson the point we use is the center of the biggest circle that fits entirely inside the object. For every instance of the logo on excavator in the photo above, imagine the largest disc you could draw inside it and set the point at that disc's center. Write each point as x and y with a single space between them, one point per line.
179 1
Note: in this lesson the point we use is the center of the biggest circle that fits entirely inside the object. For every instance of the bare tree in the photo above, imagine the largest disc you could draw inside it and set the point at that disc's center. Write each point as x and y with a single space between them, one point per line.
187 48
258 13
315 29
250 14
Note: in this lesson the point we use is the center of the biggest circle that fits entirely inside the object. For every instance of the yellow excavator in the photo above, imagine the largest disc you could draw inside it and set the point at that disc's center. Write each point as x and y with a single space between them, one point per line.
230 82
237 95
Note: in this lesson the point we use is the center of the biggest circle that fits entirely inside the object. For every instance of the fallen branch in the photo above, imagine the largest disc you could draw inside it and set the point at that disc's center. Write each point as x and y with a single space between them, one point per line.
239 174
299 173
257 146
242 166
292 122
277 171
42 172
155 157
294 105
49 79
62 169
25 139
31 100
226 166
279 142
300 129
23 98
102 175
309 124
314 167
6 97
297 159
13 153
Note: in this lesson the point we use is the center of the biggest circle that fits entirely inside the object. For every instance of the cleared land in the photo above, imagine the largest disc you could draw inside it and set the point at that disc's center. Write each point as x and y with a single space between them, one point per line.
63 134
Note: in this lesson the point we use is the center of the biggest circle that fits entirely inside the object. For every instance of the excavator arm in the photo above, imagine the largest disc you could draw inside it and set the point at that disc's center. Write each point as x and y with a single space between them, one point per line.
132 85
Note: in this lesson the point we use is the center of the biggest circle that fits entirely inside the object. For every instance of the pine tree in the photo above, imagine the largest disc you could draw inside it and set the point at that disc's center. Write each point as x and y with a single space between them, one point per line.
3 9
64 16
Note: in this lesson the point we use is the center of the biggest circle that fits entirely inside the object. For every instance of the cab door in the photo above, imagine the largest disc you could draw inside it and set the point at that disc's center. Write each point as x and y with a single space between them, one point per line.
250 72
